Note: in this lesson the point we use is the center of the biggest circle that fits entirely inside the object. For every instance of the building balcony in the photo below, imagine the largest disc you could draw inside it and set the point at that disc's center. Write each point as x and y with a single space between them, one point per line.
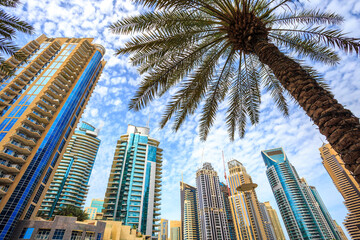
3 190
5 95
20 148
54 94
21 137
43 110
13 156
32 132
6 178
40 118
35 124
50 98
9 167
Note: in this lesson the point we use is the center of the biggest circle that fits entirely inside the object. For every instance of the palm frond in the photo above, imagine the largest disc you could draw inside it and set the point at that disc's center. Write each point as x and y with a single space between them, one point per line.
216 94
308 17
330 37
15 23
305 48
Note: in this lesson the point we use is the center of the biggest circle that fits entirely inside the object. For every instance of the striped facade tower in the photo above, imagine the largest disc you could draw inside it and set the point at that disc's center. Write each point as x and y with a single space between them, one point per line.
248 220
212 210
299 207
40 106
267 222
275 222
226 193
70 183
347 186
133 193
190 224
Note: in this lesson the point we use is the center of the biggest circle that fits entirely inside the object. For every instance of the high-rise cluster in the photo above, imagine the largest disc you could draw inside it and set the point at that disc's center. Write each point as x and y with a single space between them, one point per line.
215 210
40 105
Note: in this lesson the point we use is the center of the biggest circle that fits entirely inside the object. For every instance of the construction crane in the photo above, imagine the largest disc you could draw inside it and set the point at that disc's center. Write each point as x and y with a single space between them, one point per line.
227 183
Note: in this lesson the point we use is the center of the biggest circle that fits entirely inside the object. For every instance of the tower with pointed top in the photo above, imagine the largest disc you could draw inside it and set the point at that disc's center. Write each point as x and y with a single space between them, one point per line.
212 210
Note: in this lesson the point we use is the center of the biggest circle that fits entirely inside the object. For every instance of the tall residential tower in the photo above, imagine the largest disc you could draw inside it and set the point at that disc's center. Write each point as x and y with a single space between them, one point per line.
248 220
274 220
298 206
133 193
347 186
190 224
70 183
213 220
40 106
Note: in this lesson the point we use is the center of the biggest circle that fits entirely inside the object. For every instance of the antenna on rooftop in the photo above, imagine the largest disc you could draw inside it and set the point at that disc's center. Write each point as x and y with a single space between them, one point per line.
148 121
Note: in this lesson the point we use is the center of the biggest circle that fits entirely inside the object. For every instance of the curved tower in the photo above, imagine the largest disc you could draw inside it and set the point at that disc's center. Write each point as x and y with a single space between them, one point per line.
70 183
298 205
133 193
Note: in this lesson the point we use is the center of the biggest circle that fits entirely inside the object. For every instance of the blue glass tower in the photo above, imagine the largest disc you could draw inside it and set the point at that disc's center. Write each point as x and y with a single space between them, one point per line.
69 186
40 106
298 206
134 189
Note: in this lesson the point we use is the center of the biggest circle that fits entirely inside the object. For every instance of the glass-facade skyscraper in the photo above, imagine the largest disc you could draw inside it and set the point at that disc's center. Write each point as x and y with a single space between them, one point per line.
190 224
70 182
40 106
133 193
248 220
298 205
347 186
213 221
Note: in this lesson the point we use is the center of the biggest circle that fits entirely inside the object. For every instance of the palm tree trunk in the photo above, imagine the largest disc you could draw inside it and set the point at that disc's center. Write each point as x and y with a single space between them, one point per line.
340 127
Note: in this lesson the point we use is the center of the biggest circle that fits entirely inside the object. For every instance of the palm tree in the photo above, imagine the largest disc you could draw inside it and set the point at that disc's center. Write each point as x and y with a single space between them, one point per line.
212 51
72 211
8 26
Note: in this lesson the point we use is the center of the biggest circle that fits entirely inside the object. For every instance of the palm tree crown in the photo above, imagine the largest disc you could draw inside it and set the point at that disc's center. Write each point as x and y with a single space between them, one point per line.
8 26
206 48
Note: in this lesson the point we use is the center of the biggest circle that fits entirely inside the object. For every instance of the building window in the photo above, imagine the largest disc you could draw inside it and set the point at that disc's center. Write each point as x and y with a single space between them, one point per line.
76 235
90 236
99 236
43 234
59 234
26 233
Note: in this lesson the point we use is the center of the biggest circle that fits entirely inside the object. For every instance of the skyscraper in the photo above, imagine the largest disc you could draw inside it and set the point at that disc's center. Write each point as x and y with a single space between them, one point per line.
298 206
226 193
40 107
275 222
190 224
347 186
70 183
164 229
248 221
134 188
175 230
213 219
267 222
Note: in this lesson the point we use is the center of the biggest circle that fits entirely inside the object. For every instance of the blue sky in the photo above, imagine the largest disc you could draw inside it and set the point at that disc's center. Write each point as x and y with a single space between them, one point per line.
183 151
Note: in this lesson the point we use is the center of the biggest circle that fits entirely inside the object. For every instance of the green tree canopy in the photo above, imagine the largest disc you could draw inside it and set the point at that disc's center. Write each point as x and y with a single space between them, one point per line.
72 211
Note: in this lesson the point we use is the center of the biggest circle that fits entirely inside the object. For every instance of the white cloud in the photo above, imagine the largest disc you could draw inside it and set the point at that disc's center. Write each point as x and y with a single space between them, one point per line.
183 152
